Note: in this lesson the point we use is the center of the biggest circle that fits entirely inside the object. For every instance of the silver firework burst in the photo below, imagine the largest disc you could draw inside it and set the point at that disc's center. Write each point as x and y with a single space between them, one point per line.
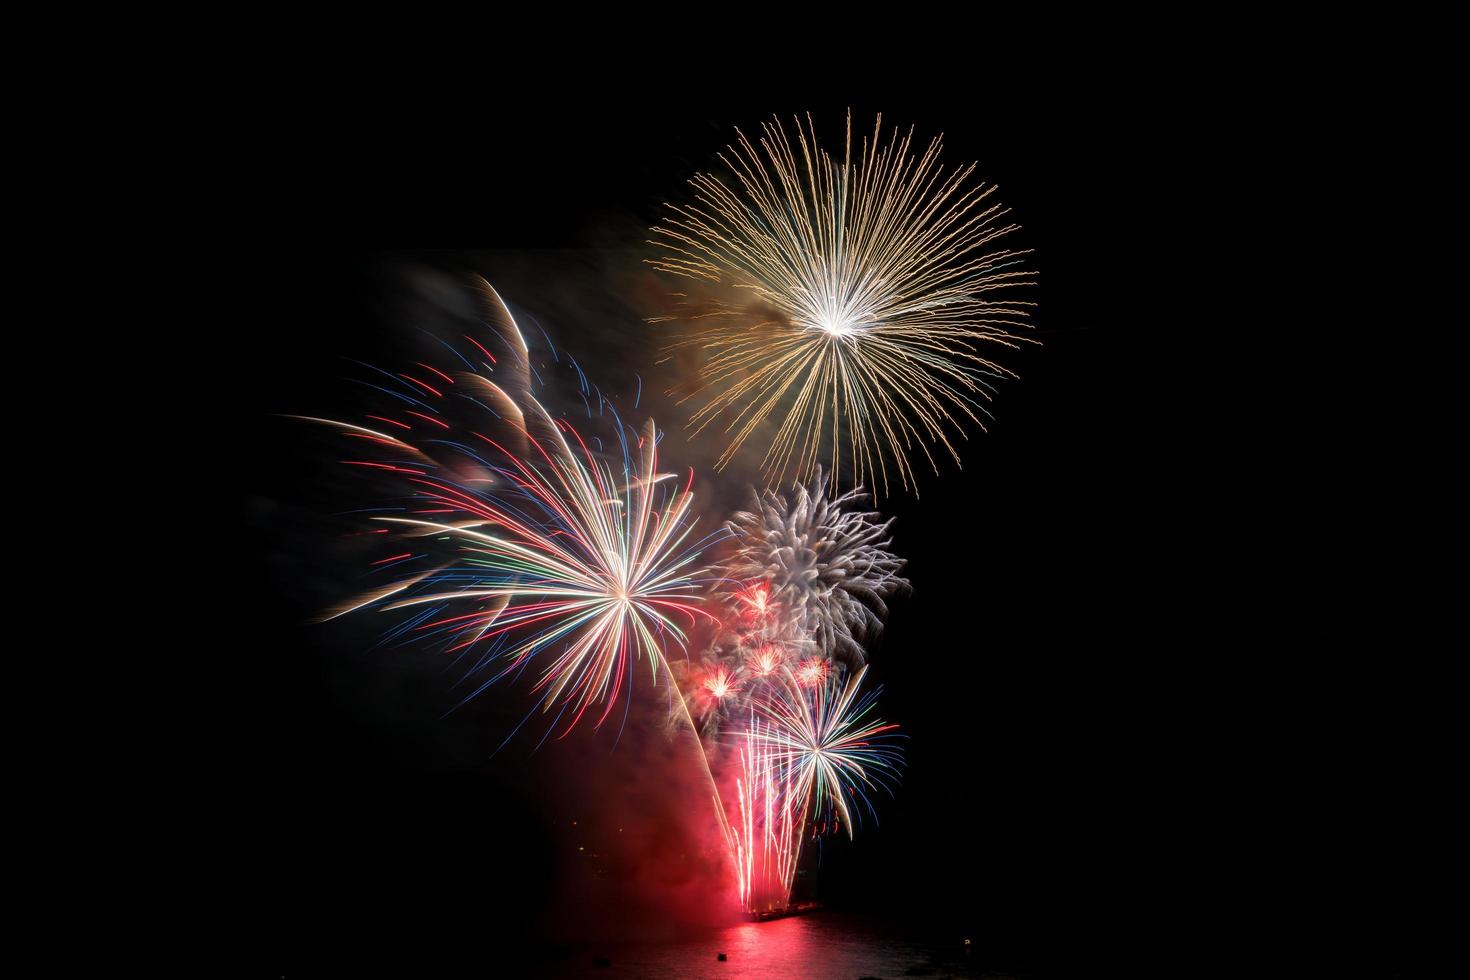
826 561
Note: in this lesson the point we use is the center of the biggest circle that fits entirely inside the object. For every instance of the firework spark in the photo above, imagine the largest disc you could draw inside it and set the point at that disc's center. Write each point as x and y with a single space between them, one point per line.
806 755
770 818
721 684
604 572
873 289
825 748
765 659
812 672
754 602
821 559
546 553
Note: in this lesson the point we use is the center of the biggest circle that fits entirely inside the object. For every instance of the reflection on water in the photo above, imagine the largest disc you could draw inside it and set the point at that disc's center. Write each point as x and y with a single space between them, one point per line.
810 946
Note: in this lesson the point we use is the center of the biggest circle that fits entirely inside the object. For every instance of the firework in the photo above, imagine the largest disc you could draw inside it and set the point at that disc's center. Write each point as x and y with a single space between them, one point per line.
770 817
720 684
807 754
824 748
873 289
604 572
754 604
765 659
518 548
821 560
715 689
546 553
810 673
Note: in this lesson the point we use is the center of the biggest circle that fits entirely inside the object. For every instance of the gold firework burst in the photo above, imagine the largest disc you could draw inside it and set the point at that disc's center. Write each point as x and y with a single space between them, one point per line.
869 291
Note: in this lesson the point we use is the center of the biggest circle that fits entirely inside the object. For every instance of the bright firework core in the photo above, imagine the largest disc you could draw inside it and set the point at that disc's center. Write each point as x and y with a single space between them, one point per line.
812 671
837 326
765 660
718 684
758 599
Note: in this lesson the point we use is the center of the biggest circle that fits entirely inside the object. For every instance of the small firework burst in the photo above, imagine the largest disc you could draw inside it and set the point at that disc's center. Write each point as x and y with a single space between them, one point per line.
754 602
811 672
721 683
823 560
827 748
764 659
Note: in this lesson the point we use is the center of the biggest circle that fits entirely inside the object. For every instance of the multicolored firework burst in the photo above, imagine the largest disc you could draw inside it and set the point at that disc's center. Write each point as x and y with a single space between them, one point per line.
823 560
546 553
806 755
601 567
825 746
872 289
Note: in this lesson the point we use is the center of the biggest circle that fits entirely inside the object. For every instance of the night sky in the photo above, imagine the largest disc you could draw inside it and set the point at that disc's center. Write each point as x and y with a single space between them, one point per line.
1151 720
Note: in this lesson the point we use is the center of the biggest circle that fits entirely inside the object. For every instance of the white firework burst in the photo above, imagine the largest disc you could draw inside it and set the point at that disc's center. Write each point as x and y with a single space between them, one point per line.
825 559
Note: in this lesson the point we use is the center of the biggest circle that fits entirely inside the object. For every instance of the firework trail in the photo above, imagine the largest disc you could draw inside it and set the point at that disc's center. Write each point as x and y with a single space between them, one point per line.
768 841
872 289
809 753
825 748
823 560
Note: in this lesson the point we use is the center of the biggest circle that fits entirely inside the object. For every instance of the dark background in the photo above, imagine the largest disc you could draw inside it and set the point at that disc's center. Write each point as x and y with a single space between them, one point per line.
1156 721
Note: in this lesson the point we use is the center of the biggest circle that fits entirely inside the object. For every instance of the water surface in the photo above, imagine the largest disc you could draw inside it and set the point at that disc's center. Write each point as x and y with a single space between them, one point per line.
817 946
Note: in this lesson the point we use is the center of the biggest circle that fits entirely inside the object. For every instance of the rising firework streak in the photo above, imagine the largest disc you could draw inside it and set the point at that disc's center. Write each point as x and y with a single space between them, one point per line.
809 755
